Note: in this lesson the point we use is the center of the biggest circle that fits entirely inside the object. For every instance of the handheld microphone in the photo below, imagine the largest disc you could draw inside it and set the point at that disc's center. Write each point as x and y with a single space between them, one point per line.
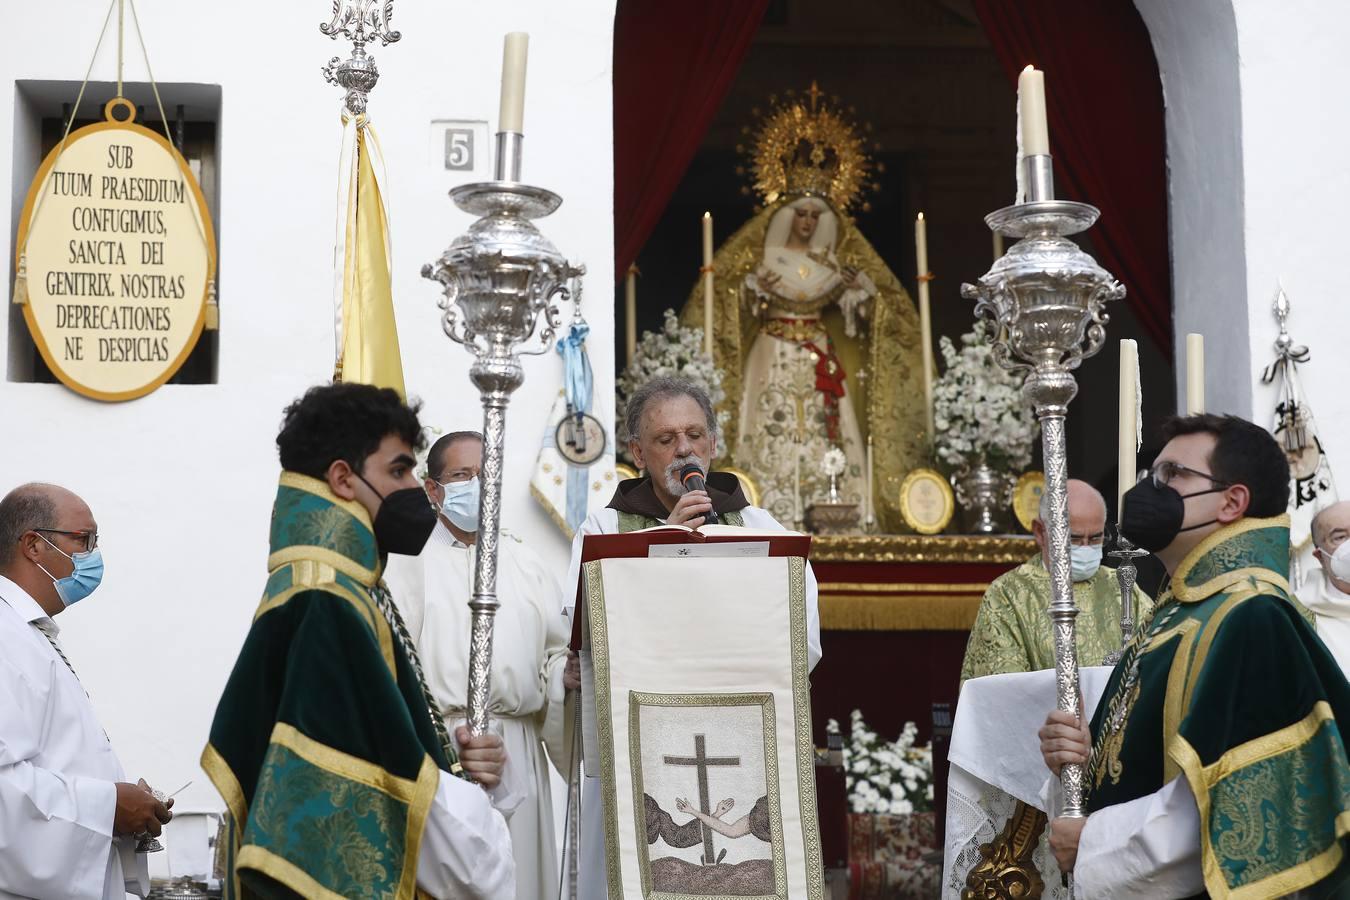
691 476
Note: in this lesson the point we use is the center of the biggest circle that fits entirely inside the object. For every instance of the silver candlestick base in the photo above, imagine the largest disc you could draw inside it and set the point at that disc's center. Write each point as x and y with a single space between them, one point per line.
1126 574
497 278
1048 299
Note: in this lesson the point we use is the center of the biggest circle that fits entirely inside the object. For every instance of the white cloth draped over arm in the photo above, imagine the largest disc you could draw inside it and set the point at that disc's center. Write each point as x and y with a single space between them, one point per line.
466 848
55 829
1148 847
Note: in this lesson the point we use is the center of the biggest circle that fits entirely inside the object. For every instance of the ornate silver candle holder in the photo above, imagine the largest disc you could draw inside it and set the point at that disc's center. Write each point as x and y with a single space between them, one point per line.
497 279
1126 574
1048 299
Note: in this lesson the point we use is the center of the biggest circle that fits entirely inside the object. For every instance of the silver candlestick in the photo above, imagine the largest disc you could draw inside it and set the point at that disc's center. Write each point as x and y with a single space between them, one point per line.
497 278
1126 574
1048 299
360 21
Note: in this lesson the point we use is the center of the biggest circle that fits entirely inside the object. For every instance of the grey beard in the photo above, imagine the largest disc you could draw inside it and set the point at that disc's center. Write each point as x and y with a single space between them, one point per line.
673 483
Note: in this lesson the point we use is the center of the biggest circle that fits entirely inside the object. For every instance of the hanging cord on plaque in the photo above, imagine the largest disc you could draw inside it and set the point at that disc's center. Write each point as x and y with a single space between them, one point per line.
20 295
578 382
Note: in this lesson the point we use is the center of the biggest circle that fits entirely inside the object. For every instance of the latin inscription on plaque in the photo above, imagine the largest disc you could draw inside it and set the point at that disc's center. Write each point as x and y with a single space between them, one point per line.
117 252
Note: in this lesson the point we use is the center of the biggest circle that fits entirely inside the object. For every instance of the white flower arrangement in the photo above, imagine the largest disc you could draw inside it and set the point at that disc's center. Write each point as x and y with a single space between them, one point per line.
979 414
886 777
834 462
674 351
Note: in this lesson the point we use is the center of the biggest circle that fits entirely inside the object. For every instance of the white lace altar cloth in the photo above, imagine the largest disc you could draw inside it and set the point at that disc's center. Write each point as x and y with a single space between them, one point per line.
995 761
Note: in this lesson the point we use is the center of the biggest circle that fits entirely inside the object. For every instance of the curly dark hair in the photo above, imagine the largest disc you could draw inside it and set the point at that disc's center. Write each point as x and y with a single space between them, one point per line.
344 421
1244 453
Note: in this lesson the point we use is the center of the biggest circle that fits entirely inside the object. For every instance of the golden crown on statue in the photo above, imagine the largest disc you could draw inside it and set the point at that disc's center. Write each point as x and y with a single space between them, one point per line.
807 144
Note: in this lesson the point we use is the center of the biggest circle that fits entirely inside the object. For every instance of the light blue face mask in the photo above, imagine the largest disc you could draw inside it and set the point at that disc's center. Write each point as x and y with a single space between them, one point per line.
1085 561
460 505
81 582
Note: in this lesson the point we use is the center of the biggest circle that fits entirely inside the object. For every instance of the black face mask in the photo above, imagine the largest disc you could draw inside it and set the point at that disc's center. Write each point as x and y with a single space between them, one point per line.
405 520
1153 515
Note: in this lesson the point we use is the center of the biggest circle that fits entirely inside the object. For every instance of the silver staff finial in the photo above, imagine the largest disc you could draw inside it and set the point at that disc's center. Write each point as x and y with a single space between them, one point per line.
359 21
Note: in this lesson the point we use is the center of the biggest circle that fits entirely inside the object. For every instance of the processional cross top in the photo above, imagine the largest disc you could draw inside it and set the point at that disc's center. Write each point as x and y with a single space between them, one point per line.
703 762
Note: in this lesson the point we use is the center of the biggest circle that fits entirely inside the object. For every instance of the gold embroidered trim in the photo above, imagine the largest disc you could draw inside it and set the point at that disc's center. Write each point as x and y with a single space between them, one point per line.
1191 594
222 776
798 331
283 871
352 768
1201 778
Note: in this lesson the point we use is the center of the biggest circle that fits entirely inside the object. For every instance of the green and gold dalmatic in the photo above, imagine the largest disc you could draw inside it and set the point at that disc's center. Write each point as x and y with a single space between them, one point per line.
1230 688
322 745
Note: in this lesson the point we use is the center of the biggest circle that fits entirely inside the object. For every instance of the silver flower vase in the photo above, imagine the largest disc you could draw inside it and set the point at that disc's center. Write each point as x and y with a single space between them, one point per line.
985 495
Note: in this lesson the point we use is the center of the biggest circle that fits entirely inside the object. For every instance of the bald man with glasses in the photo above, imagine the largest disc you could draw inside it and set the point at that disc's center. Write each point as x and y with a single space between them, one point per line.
68 818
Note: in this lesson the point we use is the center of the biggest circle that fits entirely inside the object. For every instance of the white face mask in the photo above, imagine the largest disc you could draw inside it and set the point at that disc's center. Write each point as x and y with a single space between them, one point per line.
460 505
1339 562
1085 561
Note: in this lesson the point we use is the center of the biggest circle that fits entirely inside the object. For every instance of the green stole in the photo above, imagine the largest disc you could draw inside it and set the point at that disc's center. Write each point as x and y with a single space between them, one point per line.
1235 691
322 744
630 521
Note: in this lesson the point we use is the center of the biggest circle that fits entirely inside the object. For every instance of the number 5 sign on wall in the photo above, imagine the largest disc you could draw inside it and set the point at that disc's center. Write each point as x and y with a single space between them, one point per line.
461 147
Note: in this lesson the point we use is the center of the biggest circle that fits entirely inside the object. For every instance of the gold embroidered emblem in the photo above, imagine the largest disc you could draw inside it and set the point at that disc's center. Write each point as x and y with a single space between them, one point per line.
1114 741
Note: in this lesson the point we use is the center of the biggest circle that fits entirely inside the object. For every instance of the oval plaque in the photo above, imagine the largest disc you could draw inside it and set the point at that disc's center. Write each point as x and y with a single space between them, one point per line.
926 501
116 246
1027 498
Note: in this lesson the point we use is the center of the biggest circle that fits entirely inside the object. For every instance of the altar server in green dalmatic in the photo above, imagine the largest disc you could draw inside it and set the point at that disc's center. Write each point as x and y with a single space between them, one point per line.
340 778
1216 764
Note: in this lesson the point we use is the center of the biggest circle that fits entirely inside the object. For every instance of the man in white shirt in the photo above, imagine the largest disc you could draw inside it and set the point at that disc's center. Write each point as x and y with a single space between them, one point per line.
527 702
1327 592
670 423
68 818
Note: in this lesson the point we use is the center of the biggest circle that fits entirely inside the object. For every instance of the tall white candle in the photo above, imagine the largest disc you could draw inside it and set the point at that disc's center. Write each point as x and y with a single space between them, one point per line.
707 283
630 311
511 114
1127 447
1195 374
1031 112
925 318
868 510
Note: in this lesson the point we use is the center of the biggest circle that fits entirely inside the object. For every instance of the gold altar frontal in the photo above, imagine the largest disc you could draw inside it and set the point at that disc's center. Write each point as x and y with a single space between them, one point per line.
895 615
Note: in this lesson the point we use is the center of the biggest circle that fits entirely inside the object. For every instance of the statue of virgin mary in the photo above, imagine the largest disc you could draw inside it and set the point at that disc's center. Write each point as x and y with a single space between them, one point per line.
817 340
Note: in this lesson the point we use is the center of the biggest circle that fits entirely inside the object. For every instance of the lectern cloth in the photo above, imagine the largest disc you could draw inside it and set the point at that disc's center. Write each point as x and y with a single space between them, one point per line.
701 695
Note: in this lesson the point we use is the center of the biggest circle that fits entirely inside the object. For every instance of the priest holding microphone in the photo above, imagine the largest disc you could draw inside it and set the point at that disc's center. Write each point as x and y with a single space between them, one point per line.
672 436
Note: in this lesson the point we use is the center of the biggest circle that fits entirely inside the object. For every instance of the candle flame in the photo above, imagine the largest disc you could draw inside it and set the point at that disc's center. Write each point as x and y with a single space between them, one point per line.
707 215
920 217
1029 68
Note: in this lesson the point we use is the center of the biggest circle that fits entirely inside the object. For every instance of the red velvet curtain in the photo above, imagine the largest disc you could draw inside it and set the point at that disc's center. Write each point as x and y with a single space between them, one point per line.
1105 109
673 64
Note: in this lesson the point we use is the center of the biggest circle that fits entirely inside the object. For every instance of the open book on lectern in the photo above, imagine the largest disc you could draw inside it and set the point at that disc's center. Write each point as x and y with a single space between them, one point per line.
681 542
697 717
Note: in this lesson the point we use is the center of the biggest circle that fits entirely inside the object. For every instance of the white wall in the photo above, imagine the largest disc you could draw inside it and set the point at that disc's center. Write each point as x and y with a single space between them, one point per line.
1258 188
181 482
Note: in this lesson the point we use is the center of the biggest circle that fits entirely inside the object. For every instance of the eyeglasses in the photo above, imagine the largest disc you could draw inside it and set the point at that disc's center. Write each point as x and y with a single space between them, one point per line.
458 477
1164 473
90 537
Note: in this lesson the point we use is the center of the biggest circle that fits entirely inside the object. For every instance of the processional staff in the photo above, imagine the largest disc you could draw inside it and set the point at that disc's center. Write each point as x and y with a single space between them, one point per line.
1047 298
497 279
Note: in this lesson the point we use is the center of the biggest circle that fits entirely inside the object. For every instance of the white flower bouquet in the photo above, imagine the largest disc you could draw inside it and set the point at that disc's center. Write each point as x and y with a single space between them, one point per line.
674 351
886 777
979 414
